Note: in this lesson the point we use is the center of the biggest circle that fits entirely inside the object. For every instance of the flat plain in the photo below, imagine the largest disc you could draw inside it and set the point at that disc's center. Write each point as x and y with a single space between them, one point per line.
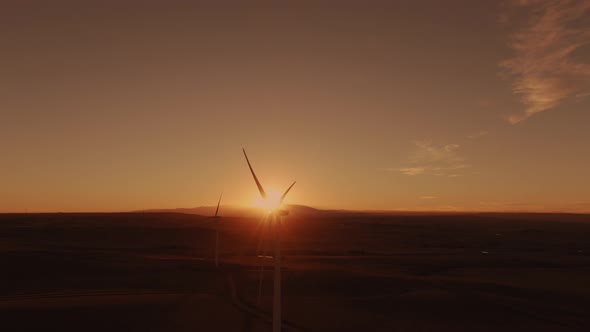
343 271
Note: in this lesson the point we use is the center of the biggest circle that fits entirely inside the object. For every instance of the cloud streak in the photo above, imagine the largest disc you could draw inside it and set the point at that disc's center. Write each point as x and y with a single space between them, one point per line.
478 134
433 159
544 69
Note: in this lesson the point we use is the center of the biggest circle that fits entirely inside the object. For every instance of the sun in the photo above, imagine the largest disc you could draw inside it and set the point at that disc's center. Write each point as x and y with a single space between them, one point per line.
270 203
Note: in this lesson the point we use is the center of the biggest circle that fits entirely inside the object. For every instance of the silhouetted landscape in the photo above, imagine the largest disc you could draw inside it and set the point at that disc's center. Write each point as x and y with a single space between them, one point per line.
295 165
343 271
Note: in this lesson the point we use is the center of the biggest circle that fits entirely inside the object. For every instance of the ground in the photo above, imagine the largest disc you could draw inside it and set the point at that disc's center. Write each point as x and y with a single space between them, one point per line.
342 272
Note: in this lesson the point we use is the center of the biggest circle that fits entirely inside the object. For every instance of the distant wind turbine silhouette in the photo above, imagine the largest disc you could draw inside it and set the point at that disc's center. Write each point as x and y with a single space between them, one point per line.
216 216
275 215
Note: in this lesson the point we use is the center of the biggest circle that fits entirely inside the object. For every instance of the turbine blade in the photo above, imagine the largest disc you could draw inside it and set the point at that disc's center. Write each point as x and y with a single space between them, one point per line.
218 202
260 189
287 191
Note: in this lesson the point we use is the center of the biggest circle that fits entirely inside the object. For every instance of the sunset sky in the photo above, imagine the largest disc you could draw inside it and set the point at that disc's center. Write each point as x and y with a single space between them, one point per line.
402 105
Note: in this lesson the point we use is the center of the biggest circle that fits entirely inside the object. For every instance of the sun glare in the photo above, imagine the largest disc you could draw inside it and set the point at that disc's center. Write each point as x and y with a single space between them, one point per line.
270 203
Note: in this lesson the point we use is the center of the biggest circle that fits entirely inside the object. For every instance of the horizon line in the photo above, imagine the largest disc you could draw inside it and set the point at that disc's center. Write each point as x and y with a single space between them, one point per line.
376 211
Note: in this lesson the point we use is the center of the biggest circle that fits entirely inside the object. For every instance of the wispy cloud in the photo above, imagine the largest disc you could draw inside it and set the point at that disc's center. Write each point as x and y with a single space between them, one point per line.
478 134
428 197
433 159
409 170
544 69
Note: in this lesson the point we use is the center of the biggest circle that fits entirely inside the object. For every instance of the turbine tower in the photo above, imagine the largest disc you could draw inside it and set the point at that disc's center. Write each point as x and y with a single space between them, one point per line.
217 232
275 217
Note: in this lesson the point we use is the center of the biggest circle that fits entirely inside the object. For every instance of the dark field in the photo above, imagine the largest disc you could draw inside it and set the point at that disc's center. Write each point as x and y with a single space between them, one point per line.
342 272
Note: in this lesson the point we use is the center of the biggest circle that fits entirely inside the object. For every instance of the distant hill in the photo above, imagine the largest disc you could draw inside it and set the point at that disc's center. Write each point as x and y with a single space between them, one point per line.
238 211
295 210
310 212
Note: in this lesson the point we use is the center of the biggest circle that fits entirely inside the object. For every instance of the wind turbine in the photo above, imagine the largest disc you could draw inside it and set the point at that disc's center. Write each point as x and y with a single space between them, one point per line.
274 216
216 217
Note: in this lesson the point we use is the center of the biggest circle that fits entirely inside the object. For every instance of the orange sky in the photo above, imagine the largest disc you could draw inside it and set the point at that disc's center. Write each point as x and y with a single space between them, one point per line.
412 105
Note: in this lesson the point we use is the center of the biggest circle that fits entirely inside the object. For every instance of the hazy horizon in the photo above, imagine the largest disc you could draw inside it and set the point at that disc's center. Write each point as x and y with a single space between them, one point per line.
380 105
234 207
